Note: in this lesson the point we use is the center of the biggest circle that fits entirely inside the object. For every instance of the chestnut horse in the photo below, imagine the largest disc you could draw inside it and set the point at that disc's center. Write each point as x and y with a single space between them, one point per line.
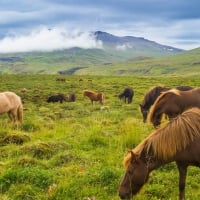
172 103
151 96
178 141
12 104
94 96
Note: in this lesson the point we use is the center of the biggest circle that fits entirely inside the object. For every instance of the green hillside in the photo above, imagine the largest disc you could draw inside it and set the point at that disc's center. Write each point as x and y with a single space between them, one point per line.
99 62
186 63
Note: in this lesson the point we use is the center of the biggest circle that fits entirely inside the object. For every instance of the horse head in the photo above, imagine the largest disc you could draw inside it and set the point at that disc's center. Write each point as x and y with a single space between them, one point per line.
135 177
144 112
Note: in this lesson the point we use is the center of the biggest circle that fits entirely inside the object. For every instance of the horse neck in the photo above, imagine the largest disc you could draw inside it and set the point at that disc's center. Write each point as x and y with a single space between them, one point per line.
151 161
147 102
150 98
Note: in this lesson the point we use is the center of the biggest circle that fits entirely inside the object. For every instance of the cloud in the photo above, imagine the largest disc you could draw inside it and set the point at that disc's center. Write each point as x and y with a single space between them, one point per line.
161 21
46 39
123 47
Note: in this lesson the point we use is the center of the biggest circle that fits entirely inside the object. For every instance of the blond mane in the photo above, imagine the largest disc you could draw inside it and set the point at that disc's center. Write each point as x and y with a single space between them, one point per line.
174 137
88 92
162 95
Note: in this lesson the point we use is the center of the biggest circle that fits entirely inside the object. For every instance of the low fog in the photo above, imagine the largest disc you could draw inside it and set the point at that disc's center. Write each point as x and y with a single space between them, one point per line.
45 39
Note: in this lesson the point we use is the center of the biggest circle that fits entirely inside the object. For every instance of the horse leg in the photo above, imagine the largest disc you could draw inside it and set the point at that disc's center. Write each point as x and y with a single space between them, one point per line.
12 115
182 168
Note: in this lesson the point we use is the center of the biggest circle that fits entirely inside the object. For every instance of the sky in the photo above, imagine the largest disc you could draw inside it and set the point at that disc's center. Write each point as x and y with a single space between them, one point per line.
46 25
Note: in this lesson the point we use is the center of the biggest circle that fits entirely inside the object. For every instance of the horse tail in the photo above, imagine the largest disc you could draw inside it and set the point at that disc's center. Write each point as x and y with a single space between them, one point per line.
102 98
20 113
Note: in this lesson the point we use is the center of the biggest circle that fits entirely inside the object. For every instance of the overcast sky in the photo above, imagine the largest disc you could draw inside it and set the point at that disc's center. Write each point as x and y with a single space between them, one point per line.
27 25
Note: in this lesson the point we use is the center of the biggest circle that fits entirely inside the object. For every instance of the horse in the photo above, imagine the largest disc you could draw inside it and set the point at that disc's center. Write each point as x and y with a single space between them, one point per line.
127 94
152 95
178 141
61 79
94 96
12 104
172 103
71 98
56 98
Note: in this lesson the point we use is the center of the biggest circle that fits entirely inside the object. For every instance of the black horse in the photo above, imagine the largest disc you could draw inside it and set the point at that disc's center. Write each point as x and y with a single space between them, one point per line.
127 94
56 98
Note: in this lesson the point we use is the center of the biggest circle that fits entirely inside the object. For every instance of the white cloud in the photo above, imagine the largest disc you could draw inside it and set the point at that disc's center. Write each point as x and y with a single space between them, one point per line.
48 40
123 47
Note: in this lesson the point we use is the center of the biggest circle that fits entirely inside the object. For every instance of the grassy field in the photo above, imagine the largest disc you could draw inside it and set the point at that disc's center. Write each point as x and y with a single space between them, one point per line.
74 151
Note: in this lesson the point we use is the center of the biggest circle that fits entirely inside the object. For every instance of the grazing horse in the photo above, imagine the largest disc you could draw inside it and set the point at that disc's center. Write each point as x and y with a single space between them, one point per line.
178 141
12 104
172 103
94 96
151 96
56 98
127 94
61 79
71 98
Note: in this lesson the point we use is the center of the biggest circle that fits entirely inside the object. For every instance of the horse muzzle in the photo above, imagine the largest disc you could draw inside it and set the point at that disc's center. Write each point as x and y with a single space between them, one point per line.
124 196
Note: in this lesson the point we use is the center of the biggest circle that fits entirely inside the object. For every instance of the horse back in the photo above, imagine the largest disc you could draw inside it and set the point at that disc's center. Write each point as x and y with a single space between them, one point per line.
10 99
174 102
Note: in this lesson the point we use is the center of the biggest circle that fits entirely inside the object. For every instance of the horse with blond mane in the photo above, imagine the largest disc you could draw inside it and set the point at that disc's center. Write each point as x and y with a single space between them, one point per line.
178 141
173 103
151 96
12 104
94 96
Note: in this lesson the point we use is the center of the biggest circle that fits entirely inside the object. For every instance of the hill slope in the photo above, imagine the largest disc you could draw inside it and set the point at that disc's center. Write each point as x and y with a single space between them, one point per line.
186 63
69 61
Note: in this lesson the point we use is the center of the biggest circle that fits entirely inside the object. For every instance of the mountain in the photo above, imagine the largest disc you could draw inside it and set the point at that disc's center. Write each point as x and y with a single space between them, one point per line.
114 50
131 42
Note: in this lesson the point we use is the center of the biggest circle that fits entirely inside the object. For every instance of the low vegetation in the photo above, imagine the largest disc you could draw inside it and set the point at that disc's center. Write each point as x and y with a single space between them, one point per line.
75 150
97 62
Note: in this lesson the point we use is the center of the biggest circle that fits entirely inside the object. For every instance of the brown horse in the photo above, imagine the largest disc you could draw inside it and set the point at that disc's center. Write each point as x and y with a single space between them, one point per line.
94 96
178 141
12 104
151 96
172 103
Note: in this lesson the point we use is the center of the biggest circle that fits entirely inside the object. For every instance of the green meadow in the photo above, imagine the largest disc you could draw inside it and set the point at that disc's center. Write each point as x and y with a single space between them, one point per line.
75 150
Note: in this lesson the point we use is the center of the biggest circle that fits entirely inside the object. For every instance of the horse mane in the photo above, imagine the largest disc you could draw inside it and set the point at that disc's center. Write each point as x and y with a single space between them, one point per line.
162 95
88 92
152 93
174 137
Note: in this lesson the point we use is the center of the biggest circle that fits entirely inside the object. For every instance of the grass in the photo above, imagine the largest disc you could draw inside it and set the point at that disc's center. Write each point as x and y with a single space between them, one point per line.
74 151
